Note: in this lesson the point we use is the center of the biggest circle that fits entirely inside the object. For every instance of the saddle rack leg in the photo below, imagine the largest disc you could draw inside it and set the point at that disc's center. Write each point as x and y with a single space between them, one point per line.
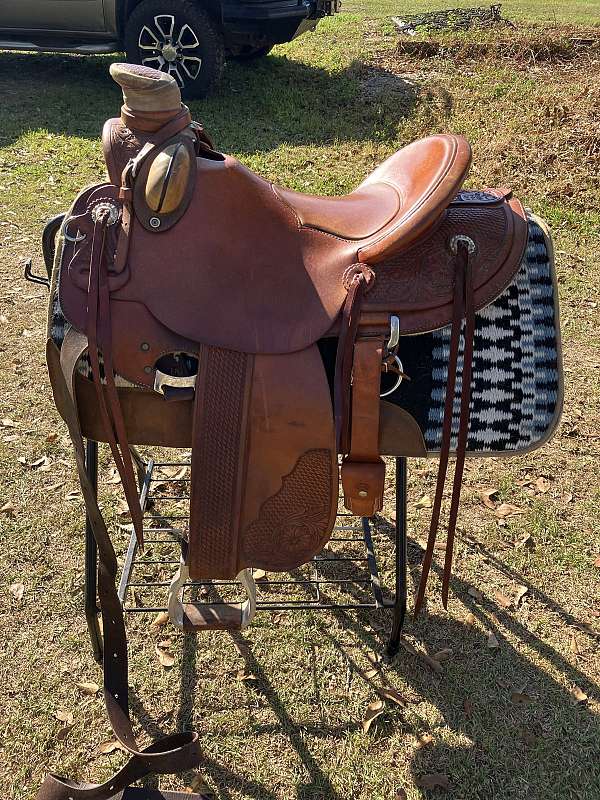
401 565
91 559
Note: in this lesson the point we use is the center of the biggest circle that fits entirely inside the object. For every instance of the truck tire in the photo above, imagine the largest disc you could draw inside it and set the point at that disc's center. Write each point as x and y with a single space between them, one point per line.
178 37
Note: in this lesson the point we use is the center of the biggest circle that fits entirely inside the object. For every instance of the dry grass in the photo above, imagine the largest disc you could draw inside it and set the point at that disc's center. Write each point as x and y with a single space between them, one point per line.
318 116
522 47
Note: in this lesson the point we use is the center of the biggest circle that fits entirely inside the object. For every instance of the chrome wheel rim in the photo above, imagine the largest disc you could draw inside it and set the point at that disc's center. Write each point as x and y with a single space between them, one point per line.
171 48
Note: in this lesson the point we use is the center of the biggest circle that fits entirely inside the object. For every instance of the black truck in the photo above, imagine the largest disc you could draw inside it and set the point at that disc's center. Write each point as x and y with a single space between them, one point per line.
191 39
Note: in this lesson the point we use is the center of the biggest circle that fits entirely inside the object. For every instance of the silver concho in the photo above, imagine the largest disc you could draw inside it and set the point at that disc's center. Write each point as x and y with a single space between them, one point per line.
105 208
460 237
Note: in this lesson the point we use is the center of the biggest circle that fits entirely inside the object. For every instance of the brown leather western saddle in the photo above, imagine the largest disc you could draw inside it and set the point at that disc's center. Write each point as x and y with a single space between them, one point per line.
199 292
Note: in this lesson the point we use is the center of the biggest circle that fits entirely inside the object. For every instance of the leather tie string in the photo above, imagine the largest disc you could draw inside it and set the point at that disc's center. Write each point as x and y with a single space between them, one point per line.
100 339
463 307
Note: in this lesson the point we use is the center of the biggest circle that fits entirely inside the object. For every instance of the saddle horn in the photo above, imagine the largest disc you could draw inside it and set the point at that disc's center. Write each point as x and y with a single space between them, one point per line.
150 98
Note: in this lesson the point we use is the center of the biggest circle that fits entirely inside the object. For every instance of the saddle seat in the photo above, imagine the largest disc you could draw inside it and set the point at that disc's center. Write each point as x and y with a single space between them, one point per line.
395 204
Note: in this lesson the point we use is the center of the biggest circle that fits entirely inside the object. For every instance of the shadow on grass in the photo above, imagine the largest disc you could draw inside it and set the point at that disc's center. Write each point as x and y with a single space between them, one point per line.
256 109
510 711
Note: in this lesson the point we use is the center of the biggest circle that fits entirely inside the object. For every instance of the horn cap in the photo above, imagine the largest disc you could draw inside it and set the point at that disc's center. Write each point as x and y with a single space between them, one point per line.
146 90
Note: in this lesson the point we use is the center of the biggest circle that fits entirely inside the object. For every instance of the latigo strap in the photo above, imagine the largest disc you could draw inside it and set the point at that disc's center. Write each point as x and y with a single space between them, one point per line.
174 753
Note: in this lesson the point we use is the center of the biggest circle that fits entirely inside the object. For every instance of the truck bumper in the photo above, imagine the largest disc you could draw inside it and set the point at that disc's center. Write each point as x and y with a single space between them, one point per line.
275 20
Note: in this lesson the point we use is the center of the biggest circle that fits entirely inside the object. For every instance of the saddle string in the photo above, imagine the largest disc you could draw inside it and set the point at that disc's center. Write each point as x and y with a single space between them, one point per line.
463 307
463 429
100 339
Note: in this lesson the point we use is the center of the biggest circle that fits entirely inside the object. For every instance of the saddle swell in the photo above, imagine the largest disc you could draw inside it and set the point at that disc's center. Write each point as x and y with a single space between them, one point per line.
210 290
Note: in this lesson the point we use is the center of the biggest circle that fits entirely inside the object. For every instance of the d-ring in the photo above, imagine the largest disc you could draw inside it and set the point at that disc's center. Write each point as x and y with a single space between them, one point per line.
79 236
398 381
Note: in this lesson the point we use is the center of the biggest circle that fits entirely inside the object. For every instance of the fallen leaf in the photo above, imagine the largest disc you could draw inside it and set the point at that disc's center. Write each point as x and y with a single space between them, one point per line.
243 675
199 786
527 541
165 657
573 646
503 600
597 562
160 619
488 497
443 655
259 574
374 709
470 619
400 795
114 478
371 673
63 732
176 473
542 484
424 502
42 462
475 594
507 510
123 508
423 740
468 708
104 748
520 594
578 695
567 497
17 590
72 495
492 642
64 716
9 509
88 687
7 422
389 693
52 437
437 780
520 698
431 662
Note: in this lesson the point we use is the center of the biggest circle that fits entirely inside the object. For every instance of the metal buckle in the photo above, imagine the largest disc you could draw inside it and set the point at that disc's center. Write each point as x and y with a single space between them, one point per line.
392 343
79 236
162 380
399 379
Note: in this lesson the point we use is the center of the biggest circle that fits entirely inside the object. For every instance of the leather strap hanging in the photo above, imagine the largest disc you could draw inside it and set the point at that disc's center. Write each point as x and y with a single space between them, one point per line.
357 286
463 307
363 470
174 753
99 338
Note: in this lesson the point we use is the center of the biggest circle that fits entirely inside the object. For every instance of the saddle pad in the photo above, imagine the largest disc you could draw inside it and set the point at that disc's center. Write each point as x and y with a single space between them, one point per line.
517 387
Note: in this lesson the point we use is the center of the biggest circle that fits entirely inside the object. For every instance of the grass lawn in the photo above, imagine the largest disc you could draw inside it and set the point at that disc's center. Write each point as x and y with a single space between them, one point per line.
518 722
541 11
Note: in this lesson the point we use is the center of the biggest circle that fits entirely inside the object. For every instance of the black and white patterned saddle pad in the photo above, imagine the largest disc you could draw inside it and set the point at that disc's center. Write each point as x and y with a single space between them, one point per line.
516 396
517 386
